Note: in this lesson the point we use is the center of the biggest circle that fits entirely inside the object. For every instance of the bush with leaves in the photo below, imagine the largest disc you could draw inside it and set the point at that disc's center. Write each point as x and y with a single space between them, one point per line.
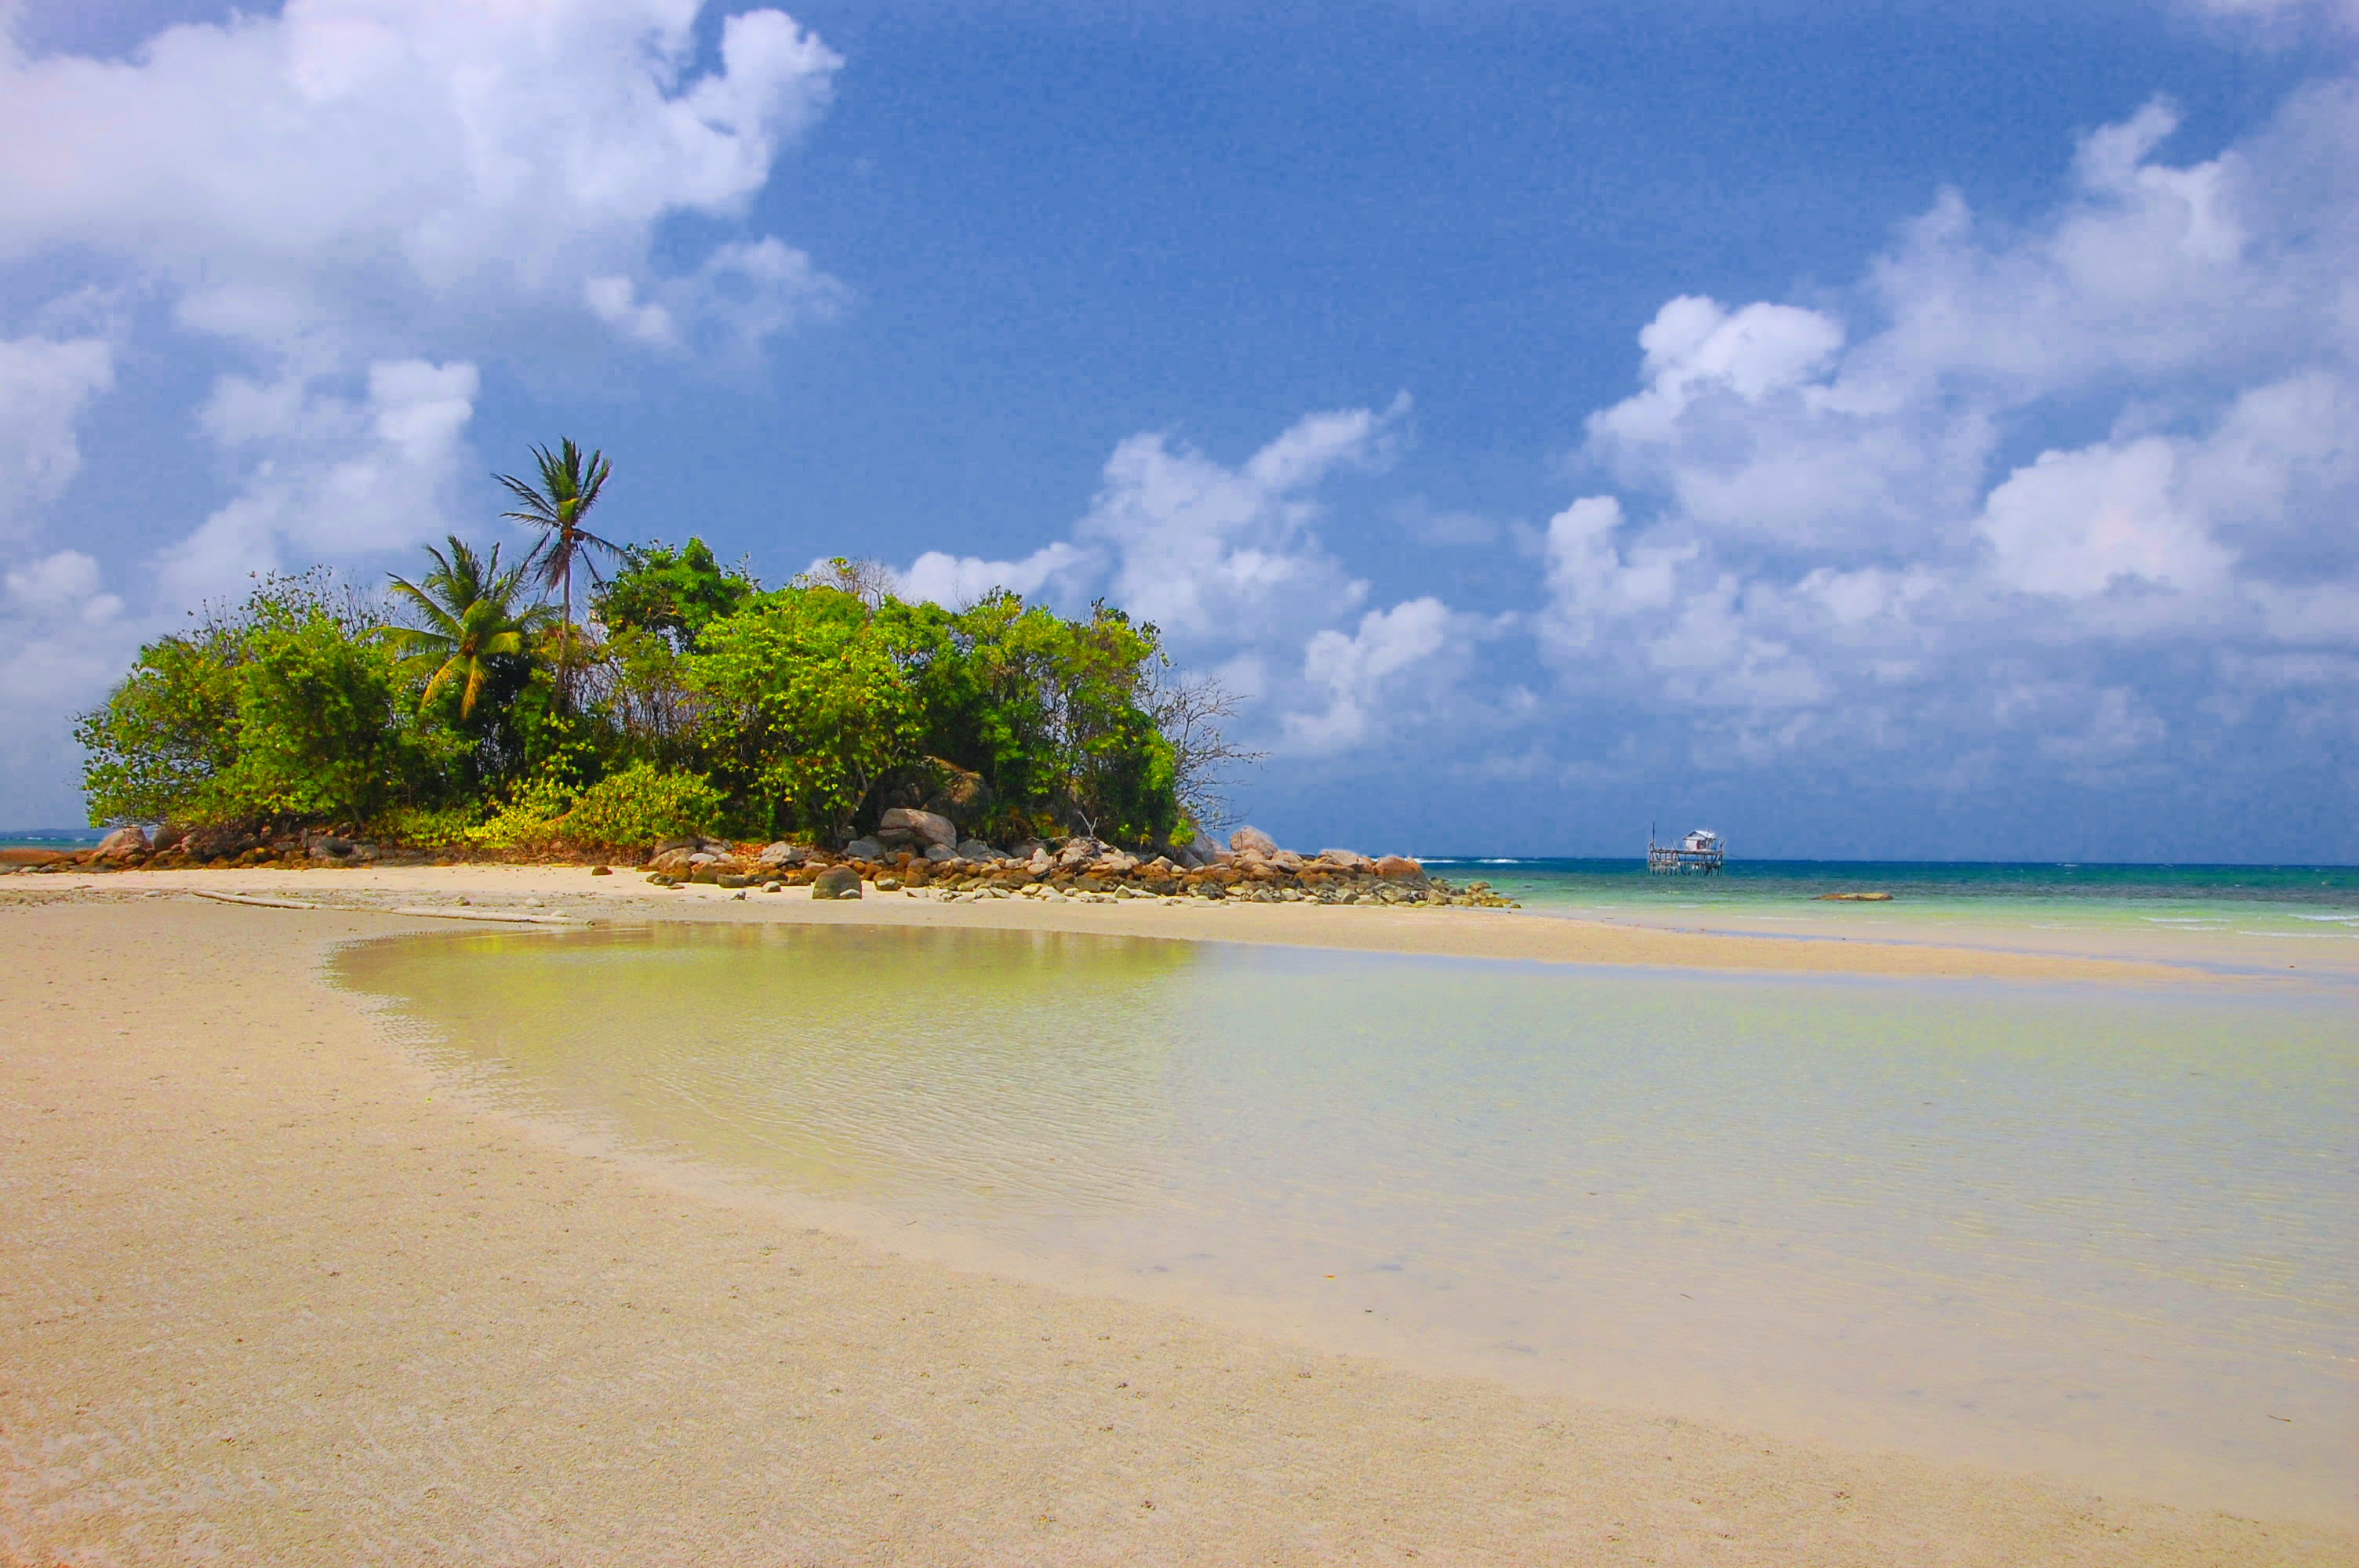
289 708
639 805
811 707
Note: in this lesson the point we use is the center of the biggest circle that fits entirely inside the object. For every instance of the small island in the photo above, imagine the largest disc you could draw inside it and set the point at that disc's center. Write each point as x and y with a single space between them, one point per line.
825 732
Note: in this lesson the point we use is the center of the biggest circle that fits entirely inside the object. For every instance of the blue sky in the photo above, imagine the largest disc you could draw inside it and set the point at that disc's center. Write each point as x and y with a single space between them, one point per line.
1872 429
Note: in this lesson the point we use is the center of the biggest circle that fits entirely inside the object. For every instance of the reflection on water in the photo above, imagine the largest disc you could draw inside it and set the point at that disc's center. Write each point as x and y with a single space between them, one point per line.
2103 1232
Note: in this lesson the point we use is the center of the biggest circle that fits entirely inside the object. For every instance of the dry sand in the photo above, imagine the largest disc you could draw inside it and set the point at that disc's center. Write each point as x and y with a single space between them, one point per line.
269 1293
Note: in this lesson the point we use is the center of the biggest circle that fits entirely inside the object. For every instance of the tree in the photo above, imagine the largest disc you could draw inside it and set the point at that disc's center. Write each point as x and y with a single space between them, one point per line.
814 708
1189 710
287 707
673 593
569 486
474 625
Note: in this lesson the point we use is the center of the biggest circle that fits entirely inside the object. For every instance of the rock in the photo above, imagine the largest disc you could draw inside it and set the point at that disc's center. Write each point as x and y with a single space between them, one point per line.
1400 868
673 862
1287 860
976 849
602 871
1253 838
733 879
864 849
1346 860
1115 863
938 853
888 884
928 825
836 882
781 853
122 843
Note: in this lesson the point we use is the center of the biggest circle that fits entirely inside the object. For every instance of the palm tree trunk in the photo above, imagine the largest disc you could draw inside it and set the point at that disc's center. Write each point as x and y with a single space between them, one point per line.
565 652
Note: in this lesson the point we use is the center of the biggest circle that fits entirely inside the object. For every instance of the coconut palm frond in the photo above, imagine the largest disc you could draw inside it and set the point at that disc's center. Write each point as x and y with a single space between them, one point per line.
472 618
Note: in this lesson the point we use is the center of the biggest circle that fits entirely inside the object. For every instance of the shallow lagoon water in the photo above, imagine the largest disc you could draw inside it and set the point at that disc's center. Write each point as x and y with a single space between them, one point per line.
2103 1233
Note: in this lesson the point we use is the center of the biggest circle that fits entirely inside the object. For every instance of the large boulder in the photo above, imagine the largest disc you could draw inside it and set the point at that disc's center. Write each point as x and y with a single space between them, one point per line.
976 849
1346 860
774 855
122 843
836 882
1401 869
864 849
923 826
1253 838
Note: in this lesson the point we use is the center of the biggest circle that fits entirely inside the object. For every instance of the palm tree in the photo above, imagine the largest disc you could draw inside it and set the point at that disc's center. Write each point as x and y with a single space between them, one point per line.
568 488
472 618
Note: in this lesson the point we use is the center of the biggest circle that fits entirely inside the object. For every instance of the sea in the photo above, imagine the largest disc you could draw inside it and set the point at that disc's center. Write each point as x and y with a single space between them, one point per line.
2102 1232
1991 890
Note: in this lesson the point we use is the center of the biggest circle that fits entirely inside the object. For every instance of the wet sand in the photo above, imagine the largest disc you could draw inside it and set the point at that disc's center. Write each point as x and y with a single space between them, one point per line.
1834 946
269 1292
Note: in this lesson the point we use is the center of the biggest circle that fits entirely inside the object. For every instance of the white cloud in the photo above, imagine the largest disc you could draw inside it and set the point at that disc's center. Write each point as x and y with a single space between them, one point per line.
1204 550
43 387
327 476
1819 543
1227 562
1357 672
61 586
348 169
952 582
2075 524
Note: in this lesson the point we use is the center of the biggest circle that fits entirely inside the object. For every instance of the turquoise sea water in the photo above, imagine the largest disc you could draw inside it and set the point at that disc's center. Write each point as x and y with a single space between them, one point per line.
1993 886
2103 1232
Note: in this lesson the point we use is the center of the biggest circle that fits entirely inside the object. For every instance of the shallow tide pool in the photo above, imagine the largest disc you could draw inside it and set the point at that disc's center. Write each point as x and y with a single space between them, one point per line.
2103 1233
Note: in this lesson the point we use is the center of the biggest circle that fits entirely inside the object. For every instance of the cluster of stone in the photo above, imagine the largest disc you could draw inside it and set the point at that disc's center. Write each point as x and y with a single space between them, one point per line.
231 845
920 851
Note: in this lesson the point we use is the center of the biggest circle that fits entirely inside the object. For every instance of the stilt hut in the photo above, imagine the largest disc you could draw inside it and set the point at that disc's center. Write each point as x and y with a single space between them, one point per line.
1698 853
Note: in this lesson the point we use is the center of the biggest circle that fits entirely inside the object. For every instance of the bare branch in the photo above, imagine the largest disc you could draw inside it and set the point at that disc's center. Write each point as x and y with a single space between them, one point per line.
871 582
1190 709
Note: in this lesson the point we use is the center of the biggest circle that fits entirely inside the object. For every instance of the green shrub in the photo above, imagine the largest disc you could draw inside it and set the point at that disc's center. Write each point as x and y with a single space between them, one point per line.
639 805
424 828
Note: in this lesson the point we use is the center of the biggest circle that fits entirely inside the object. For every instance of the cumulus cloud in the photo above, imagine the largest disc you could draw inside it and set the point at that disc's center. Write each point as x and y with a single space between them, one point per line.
1832 525
346 166
329 476
45 385
1228 562
1358 671
955 581
1200 549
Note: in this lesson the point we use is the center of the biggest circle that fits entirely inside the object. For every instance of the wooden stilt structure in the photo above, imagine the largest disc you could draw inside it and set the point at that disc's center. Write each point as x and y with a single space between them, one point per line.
1699 853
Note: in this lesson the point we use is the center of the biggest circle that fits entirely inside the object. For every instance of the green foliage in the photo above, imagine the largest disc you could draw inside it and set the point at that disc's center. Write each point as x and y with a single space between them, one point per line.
289 706
638 806
432 828
154 748
318 731
569 486
624 810
814 710
674 594
710 702
476 633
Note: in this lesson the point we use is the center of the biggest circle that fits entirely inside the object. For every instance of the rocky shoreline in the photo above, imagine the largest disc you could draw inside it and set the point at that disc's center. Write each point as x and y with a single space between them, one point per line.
915 852
920 852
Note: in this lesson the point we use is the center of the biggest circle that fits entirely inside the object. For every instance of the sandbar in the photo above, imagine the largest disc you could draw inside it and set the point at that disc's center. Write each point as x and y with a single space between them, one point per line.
270 1292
